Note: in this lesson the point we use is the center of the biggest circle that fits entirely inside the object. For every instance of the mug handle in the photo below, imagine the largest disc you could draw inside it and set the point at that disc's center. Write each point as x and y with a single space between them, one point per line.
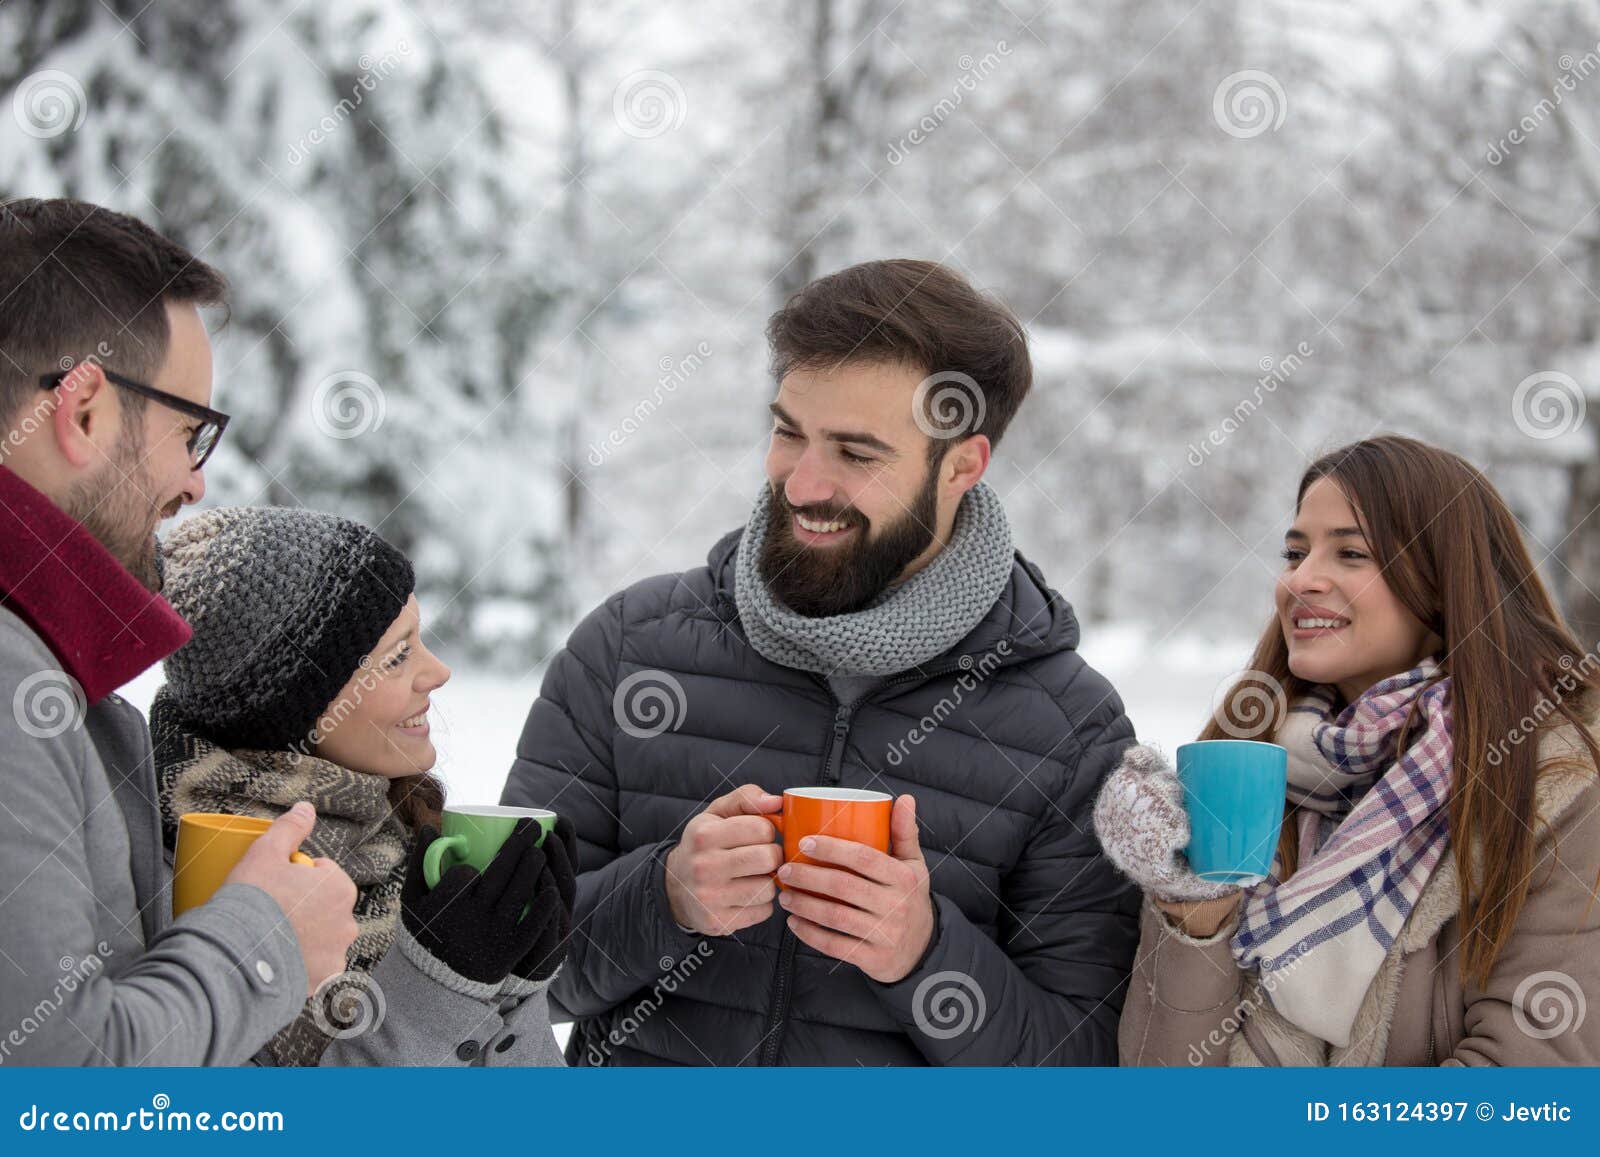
431 858
298 857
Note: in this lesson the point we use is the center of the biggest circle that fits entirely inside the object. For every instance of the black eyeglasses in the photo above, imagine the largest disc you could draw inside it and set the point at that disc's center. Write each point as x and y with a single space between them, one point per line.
206 435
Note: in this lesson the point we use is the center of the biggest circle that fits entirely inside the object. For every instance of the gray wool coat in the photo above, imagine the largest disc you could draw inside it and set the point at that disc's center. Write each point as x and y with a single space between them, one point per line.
95 970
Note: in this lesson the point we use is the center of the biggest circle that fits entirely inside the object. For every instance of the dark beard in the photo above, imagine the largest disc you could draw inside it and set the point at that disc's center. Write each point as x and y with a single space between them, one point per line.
838 580
113 507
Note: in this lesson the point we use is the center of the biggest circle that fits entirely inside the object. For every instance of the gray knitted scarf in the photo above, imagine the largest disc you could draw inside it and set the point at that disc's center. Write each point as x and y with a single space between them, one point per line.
356 828
908 624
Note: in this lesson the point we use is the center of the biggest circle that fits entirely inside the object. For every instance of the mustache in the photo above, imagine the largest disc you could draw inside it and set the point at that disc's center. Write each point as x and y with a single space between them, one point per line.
821 513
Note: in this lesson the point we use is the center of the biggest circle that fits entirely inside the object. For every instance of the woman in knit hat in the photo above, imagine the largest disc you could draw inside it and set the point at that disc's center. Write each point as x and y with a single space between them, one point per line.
307 679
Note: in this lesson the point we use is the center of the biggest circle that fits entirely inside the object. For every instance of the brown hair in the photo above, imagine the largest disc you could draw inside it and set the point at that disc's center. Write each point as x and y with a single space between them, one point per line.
917 314
1450 551
80 282
417 800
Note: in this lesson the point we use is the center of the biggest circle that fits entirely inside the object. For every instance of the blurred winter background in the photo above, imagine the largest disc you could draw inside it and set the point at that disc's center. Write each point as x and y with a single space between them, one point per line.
501 272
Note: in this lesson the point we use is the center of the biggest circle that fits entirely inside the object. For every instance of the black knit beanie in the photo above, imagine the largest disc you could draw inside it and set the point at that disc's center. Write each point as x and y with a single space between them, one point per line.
285 604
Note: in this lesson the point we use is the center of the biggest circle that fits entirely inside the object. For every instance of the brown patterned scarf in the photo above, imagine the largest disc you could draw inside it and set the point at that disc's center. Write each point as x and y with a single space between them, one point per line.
356 828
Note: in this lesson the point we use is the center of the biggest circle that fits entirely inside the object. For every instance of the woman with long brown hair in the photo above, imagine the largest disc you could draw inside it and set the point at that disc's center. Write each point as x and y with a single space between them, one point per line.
1434 895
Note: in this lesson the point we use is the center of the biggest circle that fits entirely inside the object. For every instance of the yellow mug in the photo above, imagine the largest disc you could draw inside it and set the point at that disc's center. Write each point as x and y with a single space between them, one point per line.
209 845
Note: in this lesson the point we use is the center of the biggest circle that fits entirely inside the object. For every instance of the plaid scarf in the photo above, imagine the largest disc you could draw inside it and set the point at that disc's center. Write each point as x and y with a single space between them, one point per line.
1372 825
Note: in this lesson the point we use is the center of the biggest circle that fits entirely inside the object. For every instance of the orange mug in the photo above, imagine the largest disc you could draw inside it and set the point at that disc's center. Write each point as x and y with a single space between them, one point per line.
209 845
846 813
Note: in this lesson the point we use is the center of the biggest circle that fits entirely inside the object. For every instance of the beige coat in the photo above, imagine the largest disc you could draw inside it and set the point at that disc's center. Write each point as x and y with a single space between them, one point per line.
1190 1004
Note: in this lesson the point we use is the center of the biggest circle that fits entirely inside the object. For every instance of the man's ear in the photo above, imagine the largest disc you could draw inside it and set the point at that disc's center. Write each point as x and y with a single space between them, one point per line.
965 462
85 421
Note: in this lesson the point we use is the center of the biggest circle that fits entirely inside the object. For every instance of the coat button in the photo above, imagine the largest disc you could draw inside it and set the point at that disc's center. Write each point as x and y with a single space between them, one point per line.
264 971
467 1049
507 1043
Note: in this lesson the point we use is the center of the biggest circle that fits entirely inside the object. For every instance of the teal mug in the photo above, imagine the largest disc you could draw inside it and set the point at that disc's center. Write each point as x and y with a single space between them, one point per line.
1233 790
473 834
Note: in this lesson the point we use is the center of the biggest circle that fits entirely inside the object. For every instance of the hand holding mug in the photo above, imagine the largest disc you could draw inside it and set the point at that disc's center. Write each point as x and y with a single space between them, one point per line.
719 876
473 922
318 899
856 903
1143 827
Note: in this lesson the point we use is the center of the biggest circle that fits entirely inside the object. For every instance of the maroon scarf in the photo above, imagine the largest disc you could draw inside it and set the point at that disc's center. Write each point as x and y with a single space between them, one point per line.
100 622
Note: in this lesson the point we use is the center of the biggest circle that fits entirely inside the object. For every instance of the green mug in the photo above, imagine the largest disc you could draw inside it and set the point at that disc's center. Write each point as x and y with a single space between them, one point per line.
472 834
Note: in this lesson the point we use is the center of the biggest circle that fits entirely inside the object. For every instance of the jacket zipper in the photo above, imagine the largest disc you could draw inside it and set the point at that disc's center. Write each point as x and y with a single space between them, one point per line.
778 1018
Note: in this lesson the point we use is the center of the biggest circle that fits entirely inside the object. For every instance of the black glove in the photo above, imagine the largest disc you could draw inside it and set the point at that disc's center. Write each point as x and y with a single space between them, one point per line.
558 891
471 922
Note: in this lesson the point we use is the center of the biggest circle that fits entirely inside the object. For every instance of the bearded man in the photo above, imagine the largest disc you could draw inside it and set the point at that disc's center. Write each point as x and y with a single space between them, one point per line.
871 628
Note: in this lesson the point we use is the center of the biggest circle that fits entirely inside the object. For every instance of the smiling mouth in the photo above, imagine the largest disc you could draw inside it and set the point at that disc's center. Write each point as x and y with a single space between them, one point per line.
819 530
417 722
1318 624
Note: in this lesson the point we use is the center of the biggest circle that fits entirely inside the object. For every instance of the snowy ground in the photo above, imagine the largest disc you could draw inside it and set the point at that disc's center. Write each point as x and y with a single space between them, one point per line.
1166 684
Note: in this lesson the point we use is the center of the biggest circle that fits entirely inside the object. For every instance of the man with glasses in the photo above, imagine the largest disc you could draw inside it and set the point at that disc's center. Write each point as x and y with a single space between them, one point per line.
92 458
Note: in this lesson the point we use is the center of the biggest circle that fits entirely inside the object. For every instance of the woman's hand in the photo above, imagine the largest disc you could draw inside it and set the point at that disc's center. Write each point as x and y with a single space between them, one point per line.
1141 823
552 904
473 923
1200 919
